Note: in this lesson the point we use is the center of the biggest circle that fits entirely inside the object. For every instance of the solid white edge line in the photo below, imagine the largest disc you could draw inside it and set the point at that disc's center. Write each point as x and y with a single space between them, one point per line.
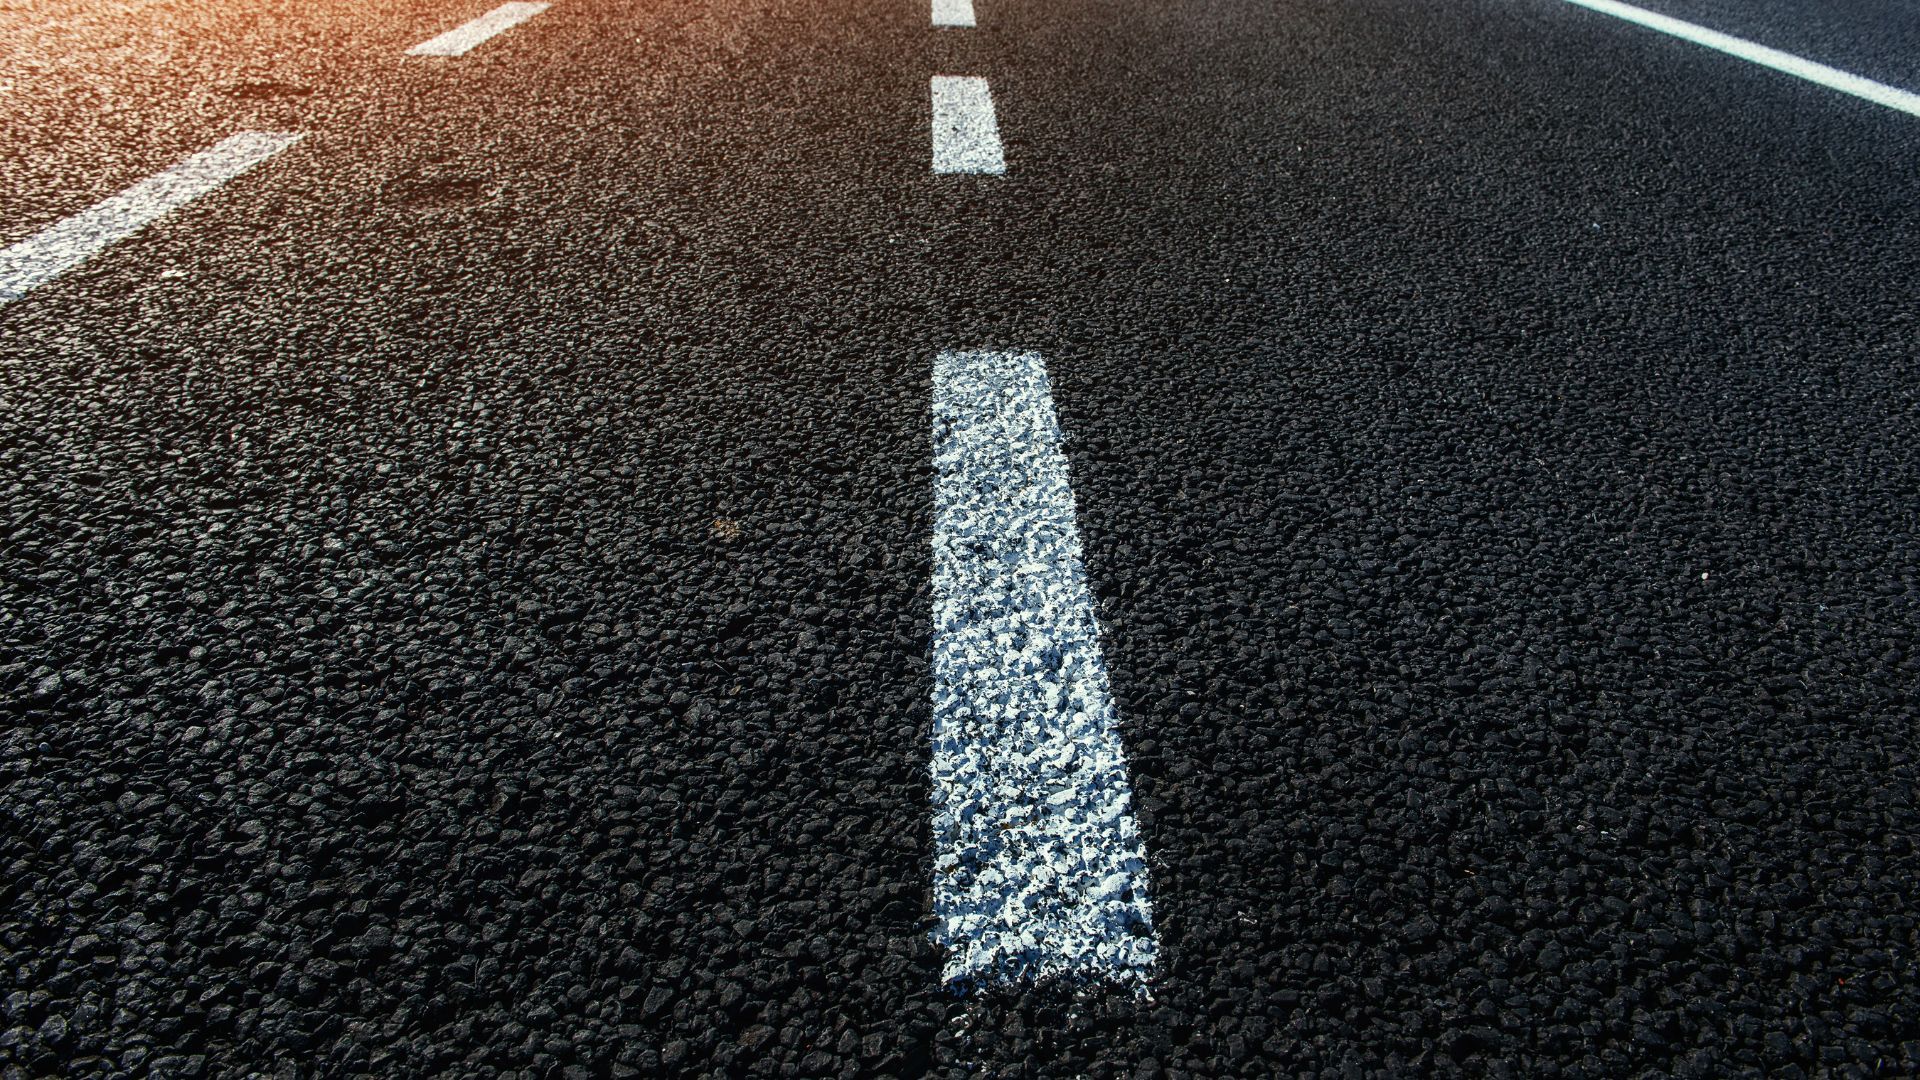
1039 870
459 40
953 12
966 138
71 241
1833 78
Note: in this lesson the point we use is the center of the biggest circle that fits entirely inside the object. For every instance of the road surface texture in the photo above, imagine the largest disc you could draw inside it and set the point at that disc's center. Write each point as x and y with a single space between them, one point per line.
467 582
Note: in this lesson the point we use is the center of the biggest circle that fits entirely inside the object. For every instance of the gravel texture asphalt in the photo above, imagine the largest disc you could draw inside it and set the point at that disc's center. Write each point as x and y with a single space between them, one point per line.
464 587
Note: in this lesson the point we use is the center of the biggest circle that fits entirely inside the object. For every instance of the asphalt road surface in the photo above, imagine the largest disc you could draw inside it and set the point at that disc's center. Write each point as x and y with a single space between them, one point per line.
468 579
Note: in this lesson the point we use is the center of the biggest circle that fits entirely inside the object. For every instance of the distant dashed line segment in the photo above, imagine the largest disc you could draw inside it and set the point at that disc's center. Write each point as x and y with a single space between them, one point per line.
460 39
966 138
953 12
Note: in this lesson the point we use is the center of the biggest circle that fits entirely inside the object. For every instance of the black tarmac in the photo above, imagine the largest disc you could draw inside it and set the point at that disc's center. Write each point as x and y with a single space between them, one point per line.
464 586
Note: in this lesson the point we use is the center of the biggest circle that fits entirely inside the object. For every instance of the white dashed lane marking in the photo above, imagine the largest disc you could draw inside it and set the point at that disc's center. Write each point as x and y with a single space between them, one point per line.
953 12
965 137
458 40
65 244
1833 78
1038 866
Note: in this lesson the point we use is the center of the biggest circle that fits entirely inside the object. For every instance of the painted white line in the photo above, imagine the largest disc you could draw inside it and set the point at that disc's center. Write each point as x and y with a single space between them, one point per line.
1833 78
1038 867
458 40
965 137
953 12
65 244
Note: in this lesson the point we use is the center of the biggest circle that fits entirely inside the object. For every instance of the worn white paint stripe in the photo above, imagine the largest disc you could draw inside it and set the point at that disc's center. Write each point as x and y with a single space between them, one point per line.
67 243
965 137
953 12
462 38
1038 867
1833 78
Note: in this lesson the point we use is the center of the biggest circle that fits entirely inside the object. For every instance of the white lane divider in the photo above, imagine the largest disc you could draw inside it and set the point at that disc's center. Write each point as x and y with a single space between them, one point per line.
67 243
1038 866
965 137
953 12
458 40
1832 78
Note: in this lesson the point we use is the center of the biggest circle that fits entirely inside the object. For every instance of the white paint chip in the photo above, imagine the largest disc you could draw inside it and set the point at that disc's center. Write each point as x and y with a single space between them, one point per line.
1832 78
953 12
67 243
965 137
1039 871
460 39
